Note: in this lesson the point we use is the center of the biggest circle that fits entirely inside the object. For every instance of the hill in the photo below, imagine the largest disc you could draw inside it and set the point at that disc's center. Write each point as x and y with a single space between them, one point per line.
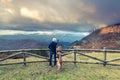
108 37
21 44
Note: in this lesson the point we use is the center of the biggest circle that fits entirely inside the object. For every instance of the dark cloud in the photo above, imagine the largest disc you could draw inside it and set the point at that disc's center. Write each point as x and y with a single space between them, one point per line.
67 15
107 11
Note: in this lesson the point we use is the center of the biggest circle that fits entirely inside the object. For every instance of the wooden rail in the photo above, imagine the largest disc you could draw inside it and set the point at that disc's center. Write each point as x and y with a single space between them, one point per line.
25 52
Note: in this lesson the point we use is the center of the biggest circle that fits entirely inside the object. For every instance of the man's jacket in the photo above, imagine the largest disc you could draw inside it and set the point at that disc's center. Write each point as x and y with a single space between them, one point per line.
52 47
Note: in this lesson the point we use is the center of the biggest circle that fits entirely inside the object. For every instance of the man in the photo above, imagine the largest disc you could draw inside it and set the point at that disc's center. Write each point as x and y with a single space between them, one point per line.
52 47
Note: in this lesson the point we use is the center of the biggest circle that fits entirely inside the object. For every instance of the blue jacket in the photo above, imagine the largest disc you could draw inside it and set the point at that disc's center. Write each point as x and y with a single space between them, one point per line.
52 47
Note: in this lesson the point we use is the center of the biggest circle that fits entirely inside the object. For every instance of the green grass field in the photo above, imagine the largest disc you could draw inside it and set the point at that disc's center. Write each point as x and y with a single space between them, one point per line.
41 70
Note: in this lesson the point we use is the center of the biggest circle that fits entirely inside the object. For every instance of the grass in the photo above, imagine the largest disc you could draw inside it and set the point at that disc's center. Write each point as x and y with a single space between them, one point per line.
41 70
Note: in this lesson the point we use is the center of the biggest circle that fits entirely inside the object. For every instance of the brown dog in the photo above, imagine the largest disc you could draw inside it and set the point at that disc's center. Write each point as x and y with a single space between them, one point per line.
59 57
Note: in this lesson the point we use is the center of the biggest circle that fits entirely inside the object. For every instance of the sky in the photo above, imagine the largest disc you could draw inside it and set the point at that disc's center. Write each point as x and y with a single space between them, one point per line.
56 16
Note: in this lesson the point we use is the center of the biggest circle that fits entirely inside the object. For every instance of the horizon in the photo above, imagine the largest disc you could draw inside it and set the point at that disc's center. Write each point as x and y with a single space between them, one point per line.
42 36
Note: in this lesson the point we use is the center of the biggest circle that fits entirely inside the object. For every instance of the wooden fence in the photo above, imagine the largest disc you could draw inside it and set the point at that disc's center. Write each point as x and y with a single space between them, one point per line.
82 52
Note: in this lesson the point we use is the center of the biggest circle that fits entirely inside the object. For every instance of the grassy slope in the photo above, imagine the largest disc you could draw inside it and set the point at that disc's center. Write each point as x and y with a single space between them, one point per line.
41 71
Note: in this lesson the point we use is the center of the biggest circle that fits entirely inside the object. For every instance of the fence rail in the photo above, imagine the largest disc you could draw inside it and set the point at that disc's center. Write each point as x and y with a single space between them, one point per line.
82 52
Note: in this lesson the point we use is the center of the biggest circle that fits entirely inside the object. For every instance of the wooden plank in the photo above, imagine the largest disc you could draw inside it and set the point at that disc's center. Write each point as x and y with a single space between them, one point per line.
11 63
105 56
96 50
63 61
64 54
37 61
99 50
24 58
113 60
10 56
90 57
114 64
36 55
83 62
21 63
89 62
74 57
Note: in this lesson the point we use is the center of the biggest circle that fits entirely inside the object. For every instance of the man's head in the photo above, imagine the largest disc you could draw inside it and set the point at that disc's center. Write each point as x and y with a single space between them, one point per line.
54 39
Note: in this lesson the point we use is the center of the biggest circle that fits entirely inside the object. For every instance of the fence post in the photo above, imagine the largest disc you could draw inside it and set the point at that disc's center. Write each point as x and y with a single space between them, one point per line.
75 57
24 58
105 56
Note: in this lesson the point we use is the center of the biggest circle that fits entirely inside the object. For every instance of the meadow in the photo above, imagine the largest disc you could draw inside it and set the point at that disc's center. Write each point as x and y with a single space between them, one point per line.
69 71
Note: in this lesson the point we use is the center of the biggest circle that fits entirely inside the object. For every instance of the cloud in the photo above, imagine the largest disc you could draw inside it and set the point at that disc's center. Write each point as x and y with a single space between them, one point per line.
66 15
6 1
10 11
33 14
17 32
55 32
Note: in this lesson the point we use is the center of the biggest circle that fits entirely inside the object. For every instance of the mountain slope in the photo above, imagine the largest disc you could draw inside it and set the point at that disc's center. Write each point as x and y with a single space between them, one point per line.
108 37
20 44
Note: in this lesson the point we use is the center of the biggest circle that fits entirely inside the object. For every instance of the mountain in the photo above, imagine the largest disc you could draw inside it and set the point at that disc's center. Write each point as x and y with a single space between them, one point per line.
44 38
108 37
21 44
20 41
13 44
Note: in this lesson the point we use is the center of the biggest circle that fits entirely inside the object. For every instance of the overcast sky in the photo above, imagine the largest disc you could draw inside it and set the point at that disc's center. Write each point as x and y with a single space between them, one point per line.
53 15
